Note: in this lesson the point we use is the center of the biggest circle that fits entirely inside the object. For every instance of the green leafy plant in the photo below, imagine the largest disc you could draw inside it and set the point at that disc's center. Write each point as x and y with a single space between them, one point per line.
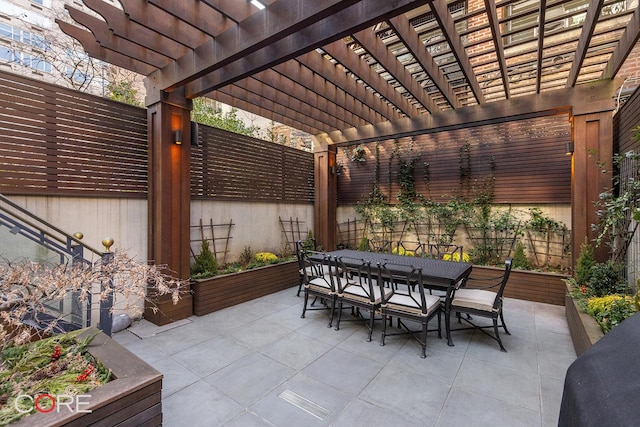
586 260
59 365
520 260
205 263
610 310
605 278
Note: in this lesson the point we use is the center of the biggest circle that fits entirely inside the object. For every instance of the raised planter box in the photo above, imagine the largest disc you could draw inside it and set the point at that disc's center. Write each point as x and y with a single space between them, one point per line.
584 329
223 291
134 397
528 285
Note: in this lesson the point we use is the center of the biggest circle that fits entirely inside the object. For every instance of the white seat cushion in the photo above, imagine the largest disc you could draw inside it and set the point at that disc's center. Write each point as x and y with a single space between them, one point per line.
357 291
474 298
408 304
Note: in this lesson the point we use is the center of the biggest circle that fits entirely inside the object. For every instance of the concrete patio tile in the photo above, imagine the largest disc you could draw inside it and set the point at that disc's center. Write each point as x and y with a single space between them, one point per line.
303 401
498 382
226 319
250 378
199 404
521 354
258 333
125 336
548 321
419 398
289 317
439 364
263 307
317 328
296 350
349 371
554 365
175 376
247 419
144 329
466 408
145 350
181 338
551 399
357 343
212 355
555 343
361 413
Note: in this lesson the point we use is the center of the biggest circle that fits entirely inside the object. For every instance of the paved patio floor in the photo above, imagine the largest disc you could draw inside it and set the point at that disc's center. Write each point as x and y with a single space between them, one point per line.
260 364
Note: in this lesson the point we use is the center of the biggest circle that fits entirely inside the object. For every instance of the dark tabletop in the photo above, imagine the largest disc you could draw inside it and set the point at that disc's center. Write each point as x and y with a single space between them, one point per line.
435 272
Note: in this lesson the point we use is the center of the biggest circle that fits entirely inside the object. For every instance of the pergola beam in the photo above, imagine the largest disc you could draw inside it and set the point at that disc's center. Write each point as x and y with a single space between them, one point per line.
89 44
317 63
411 40
383 56
445 20
494 24
253 34
625 45
150 16
341 53
588 27
197 14
600 95
298 39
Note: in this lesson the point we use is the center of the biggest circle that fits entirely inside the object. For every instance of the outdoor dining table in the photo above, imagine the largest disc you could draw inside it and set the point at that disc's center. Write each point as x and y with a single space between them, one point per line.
437 274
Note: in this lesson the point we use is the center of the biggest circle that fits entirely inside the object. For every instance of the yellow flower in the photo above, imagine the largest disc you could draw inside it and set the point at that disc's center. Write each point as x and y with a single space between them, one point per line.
401 251
265 257
456 257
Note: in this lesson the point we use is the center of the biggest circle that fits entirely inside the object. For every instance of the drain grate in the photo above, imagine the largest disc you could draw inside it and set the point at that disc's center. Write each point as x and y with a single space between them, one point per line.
305 404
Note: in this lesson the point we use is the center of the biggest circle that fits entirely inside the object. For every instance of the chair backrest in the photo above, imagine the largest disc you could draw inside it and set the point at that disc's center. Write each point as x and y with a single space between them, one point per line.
380 245
317 265
445 251
410 248
355 271
406 284
494 283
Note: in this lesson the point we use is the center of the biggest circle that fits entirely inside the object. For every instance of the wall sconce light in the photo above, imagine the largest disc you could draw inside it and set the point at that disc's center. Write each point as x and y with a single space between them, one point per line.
177 137
568 148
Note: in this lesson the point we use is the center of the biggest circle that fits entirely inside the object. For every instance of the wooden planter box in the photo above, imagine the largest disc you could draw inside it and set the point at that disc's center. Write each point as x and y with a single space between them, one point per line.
528 285
223 291
584 329
132 398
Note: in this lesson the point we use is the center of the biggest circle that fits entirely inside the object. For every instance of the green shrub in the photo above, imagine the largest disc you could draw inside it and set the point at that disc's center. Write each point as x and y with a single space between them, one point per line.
520 260
205 263
585 261
605 278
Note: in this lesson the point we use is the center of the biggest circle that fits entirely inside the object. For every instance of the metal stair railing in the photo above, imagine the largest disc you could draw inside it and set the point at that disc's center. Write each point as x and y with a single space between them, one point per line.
23 223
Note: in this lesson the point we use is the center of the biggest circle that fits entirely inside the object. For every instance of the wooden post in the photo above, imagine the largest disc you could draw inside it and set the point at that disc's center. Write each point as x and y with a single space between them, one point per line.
169 198
593 144
326 196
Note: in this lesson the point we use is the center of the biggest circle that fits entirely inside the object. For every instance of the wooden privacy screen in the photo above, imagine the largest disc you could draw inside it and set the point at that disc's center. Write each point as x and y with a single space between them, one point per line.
57 141
236 167
526 157
624 123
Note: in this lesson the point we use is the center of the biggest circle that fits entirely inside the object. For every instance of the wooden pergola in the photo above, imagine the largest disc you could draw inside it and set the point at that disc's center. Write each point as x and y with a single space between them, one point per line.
350 71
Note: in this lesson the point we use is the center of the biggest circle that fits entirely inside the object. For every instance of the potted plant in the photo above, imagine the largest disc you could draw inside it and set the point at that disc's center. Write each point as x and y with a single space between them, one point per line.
65 367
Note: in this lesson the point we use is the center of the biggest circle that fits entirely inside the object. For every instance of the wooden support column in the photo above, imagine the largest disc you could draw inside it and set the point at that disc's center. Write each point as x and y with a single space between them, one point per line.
593 145
326 194
169 197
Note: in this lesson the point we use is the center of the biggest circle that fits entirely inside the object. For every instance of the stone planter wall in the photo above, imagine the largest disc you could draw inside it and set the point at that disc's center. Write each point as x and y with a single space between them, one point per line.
584 329
223 291
134 397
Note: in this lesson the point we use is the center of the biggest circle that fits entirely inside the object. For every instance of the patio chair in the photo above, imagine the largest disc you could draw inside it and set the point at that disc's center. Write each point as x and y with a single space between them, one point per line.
407 300
445 251
483 299
410 249
301 253
358 288
319 283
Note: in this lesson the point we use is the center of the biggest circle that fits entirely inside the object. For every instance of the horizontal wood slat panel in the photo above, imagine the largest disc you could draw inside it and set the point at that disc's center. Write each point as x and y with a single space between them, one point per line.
624 122
527 157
